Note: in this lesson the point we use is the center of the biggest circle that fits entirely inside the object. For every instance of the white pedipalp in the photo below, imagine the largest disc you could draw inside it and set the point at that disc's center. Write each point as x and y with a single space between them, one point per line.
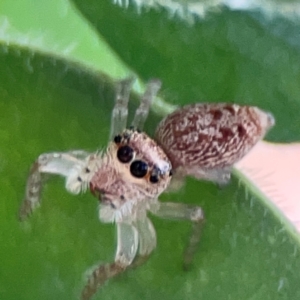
109 214
147 236
128 239
80 175
130 211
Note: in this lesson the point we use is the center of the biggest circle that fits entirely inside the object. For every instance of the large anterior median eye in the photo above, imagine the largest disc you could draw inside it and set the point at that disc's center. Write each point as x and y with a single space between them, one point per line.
138 168
125 154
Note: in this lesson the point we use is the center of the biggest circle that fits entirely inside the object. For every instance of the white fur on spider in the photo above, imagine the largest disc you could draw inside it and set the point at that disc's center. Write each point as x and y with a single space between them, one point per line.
130 211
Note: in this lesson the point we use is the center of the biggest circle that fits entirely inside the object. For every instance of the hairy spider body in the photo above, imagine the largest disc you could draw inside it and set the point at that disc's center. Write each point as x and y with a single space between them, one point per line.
201 140
206 140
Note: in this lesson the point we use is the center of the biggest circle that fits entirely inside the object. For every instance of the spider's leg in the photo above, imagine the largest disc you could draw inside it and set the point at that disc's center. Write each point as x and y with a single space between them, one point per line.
65 164
180 211
80 154
126 252
120 110
147 241
147 236
142 111
219 176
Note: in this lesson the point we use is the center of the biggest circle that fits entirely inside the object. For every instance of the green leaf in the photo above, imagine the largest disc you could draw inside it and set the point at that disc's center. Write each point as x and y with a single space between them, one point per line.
48 103
227 56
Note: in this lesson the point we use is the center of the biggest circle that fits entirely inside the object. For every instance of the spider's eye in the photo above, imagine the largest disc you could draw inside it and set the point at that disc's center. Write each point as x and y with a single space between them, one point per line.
117 139
125 154
154 178
138 168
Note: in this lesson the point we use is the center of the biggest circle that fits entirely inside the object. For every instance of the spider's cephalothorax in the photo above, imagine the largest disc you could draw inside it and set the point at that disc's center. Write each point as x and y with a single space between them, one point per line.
200 140
133 171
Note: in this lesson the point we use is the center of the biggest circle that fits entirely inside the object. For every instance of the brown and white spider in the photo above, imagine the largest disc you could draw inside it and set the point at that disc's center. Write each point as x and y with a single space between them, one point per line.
200 140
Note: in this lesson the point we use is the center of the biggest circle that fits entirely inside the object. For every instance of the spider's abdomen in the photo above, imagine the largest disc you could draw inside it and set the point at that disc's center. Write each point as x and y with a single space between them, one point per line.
211 136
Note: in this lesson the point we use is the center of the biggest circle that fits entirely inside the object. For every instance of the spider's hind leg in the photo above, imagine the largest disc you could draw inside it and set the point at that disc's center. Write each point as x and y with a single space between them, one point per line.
220 176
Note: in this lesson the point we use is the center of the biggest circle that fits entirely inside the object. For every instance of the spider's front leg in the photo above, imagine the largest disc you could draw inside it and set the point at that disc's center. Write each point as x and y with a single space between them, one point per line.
69 165
180 211
136 241
126 252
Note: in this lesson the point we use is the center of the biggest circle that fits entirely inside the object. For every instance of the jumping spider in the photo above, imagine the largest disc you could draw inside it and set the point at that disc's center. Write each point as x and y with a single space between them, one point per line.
200 140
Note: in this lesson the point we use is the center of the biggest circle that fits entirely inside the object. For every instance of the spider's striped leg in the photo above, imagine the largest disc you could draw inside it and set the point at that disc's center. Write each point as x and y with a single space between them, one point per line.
126 252
69 165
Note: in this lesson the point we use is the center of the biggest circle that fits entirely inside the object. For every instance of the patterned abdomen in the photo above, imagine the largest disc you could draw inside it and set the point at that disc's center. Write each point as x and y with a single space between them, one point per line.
211 136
